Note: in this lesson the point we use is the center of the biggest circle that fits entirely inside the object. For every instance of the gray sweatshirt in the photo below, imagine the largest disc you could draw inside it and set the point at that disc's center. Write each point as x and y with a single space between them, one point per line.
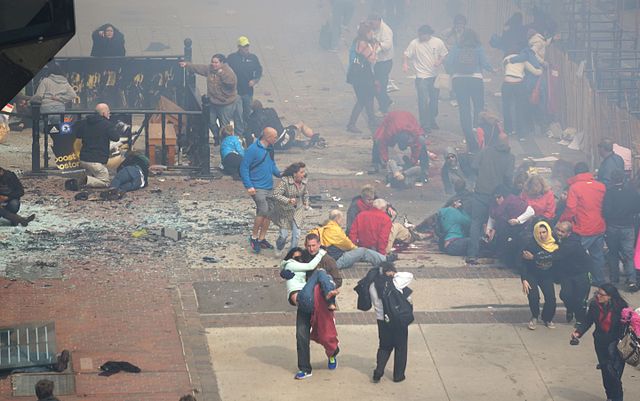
54 91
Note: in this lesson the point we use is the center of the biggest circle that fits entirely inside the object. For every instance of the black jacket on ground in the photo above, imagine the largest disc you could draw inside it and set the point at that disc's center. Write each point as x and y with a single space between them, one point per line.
570 259
495 166
10 185
261 119
247 68
620 205
95 132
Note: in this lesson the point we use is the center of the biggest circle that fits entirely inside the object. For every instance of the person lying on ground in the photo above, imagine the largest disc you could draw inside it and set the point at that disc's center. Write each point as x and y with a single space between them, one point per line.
132 174
299 288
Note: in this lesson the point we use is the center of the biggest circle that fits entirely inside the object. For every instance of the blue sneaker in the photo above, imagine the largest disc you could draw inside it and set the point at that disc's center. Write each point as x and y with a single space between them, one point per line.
255 244
302 375
280 243
332 363
265 244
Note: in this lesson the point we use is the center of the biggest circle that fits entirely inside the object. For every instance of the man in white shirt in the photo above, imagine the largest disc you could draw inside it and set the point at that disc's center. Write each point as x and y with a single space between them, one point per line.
384 60
426 54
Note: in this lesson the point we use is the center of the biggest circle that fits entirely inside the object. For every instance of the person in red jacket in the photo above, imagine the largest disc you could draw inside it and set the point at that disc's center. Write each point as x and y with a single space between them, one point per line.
400 125
371 229
584 211
540 197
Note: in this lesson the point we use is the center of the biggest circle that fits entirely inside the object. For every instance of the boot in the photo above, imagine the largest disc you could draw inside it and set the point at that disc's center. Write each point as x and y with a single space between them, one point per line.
25 221
15 219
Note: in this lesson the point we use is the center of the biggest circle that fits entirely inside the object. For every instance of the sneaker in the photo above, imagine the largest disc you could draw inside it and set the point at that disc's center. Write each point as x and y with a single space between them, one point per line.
569 317
280 243
379 114
532 323
392 257
255 244
332 363
302 375
375 378
471 261
550 325
632 287
264 244
454 103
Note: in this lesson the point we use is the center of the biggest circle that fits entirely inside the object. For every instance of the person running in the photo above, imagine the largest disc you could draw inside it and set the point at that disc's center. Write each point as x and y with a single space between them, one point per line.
605 313
536 273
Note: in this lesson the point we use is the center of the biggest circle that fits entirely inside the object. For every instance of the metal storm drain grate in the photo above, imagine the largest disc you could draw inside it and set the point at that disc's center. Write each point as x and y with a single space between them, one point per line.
27 345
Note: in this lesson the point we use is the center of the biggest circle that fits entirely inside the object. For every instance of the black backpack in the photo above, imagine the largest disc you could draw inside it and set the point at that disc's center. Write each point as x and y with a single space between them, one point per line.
398 310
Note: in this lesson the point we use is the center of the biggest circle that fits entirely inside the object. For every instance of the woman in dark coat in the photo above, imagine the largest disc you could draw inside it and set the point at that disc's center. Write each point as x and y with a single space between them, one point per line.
360 75
604 311
107 42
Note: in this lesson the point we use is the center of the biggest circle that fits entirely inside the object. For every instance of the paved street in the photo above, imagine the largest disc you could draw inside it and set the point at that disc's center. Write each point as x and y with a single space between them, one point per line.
224 330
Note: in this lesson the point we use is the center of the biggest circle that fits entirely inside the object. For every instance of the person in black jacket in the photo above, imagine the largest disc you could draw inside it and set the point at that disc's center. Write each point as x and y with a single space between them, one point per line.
107 42
132 174
44 390
610 162
11 190
96 132
248 71
604 311
537 261
571 268
620 206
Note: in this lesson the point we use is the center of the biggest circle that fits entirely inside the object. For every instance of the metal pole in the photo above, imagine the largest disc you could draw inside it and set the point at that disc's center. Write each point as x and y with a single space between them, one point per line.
35 138
204 136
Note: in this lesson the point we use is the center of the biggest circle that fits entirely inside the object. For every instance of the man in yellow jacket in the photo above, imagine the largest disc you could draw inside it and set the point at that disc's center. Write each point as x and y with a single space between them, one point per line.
340 247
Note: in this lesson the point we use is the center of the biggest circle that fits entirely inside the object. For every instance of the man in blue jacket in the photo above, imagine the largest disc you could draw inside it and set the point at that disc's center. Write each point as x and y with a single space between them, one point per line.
257 171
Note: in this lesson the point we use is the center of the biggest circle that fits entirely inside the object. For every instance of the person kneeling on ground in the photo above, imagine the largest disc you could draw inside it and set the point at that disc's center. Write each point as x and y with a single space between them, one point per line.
374 229
340 247
455 229
299 288
231 152
11 190
96 133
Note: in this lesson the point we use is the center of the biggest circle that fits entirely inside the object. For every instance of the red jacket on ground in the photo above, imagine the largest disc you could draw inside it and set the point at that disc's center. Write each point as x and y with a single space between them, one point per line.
394 123
584 205
544 205
323 324
371 230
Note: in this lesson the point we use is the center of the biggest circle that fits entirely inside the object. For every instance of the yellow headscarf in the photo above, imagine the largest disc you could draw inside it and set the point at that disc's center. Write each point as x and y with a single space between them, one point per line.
550 244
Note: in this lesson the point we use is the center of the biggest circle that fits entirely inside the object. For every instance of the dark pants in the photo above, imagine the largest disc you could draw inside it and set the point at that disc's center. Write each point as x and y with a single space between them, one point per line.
381 71
621 244
514 101
341 13
364 100
128 179
574 291
231 164
480 204
548 291
305 296
12 206
303 338
458 247
611 367
427 102
469 90
392 338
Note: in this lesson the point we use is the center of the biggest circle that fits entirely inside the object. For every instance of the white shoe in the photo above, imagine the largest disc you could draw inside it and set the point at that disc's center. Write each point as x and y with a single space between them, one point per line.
550 325
453 103
532 323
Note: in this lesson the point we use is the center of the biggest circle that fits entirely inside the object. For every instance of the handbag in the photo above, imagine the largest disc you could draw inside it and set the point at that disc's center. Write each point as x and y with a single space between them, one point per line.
629 348
442 81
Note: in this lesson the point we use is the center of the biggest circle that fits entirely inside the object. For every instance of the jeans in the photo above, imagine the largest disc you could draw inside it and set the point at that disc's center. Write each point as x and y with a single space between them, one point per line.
469 90
97 174
458 247
305 295
480 204
12 206
221 115
303 338
514 106
392 338
128 179
284 233
411 174
381 71
545 282
246 107
360 254
621 243
611 367
574 291
427 102
594 244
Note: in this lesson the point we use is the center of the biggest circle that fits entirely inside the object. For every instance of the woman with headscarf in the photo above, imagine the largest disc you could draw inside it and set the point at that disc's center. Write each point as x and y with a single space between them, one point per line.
605 311
537 260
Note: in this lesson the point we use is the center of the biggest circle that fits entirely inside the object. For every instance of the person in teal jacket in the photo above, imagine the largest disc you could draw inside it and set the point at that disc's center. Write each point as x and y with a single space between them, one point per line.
455 227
